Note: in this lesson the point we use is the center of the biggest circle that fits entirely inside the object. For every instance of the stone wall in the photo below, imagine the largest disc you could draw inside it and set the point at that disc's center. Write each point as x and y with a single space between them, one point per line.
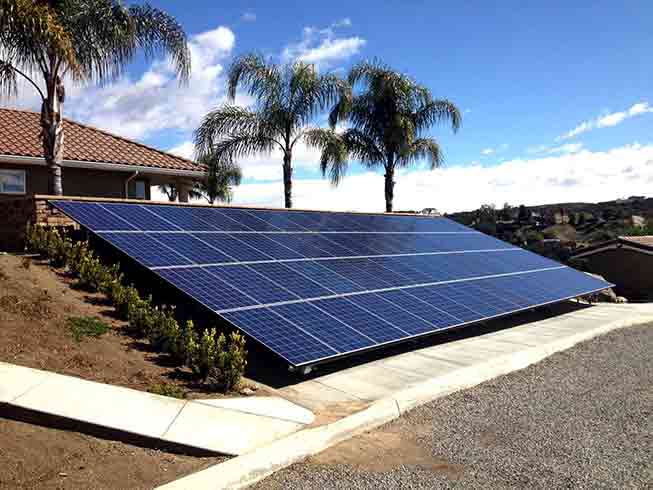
15 214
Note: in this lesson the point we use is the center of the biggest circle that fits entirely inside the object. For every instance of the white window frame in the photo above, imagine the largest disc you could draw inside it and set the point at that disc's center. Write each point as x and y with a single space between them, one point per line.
15 172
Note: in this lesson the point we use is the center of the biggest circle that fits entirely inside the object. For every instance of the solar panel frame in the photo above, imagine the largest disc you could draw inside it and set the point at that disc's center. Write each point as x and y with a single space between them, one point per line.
358 291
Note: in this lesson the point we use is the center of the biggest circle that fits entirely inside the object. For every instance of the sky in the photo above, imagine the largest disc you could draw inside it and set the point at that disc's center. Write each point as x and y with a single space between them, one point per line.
557 97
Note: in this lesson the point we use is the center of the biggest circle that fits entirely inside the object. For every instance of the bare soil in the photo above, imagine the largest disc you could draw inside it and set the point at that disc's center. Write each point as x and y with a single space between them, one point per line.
35 303
40 457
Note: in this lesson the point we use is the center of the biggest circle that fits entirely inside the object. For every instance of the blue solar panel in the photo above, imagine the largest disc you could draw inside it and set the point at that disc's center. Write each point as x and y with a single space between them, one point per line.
245 279
362 320
198 251
93 216
233 247
140 217
206 288
332 281
313 286
320 324
293 281
269 246
145 249
281 336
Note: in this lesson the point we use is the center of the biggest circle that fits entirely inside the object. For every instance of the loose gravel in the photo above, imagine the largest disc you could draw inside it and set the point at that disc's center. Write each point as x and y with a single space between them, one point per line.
579 419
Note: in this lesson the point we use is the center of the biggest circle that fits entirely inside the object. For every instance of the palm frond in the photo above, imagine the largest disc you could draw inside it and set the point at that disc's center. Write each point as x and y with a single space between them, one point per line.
422 148
229 121
157 32
28 31
334 159
437 111
223 176
261 80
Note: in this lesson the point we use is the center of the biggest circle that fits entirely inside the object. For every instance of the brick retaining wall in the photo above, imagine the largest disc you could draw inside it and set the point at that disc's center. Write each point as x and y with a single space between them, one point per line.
15 214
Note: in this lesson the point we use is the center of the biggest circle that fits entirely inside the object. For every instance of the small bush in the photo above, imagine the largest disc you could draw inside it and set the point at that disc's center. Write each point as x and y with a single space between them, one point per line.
86 326
167 389
230 362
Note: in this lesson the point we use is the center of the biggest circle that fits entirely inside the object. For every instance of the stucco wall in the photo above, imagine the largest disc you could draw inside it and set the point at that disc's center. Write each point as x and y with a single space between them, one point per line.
630 271
76 182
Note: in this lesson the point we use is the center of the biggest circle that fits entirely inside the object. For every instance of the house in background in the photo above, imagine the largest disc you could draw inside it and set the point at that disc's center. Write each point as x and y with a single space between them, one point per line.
627 262
95 164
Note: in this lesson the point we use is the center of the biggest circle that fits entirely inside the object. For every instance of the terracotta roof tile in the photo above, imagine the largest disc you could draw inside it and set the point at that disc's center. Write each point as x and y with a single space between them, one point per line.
20 136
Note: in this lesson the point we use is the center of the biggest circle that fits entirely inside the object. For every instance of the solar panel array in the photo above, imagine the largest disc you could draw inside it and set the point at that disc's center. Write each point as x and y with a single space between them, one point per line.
312 286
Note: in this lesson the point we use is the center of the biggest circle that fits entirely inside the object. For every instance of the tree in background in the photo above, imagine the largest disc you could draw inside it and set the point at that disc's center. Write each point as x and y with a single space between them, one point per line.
287 99
386 121
47 42
222 176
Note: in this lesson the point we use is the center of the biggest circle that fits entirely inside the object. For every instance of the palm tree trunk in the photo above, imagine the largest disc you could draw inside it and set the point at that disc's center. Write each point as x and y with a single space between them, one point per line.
389 188
287 179
52 133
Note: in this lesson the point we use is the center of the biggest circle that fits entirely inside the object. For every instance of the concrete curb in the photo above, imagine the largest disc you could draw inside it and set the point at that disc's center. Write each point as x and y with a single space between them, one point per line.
249 468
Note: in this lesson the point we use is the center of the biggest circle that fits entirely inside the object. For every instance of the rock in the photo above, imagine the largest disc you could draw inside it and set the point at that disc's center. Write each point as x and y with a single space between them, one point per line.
621 299
246 391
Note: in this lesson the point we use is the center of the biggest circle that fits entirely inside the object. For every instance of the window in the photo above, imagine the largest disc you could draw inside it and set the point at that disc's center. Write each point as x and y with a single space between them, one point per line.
12 181
138 189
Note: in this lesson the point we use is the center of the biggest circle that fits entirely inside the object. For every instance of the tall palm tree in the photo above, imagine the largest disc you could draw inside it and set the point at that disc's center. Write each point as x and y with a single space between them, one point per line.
48 41
287 98
386 121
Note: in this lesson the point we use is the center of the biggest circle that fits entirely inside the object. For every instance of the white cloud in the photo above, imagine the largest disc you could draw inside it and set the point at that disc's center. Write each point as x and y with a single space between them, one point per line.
491 151
322 46
583 176
248 17
607 120
566 148
138 108
184 150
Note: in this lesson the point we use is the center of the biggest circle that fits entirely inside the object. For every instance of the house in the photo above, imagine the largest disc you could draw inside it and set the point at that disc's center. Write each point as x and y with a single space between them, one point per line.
627 262
95 164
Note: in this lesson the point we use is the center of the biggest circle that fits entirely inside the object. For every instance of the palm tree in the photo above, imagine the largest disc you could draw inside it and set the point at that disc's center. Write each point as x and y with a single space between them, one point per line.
222 176
48 41
287 98
386 121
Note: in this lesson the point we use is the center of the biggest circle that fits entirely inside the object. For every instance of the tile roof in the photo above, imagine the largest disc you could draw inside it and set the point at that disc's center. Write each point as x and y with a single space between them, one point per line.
20 136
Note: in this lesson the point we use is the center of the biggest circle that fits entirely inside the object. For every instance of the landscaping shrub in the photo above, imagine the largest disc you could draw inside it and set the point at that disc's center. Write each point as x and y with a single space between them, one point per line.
220 360
230 362
167 389
86 326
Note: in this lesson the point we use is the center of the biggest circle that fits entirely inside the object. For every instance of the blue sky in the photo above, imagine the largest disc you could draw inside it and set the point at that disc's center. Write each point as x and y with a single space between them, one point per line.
555 96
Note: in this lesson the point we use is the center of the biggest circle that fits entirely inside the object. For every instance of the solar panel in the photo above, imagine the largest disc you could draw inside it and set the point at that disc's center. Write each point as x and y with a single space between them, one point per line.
315 286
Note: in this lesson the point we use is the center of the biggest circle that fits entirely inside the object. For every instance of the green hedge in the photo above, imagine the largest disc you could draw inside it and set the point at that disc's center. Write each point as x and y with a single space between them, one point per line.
214 359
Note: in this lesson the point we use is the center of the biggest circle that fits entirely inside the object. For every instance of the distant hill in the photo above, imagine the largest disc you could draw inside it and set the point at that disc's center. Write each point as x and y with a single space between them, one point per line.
557 229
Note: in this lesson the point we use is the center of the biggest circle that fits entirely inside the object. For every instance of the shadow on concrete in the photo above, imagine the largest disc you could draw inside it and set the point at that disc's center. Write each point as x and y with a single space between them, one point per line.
62 423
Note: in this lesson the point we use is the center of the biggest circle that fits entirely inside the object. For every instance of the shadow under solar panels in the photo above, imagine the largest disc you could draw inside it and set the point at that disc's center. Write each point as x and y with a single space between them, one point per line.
316 286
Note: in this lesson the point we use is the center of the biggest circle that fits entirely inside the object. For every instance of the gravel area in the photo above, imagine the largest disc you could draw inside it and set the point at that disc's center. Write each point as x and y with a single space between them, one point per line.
581 418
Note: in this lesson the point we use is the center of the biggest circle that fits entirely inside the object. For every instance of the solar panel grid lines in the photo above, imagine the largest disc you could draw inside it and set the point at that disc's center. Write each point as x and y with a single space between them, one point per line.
314 286
324 326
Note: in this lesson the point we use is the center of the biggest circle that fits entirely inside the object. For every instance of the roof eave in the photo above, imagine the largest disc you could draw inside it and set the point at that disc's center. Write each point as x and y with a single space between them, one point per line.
115 167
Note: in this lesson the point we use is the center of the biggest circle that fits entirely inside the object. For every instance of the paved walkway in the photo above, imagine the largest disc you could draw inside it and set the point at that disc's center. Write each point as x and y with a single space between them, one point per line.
227 426
384 377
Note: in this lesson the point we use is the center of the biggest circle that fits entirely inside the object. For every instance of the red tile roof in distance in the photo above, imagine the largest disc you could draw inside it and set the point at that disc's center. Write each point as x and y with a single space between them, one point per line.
20 136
